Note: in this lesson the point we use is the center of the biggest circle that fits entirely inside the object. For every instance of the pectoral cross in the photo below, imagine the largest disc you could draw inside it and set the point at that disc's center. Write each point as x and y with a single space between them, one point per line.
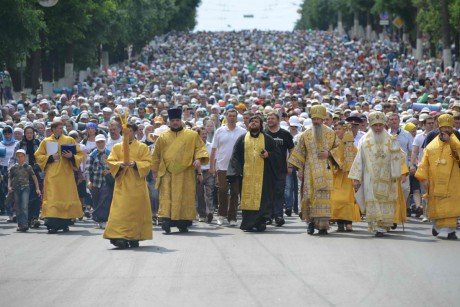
380 154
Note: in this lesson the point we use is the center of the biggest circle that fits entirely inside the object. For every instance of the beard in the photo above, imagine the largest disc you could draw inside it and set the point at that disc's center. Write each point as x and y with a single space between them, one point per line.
318 131
254 132
176 129
379 138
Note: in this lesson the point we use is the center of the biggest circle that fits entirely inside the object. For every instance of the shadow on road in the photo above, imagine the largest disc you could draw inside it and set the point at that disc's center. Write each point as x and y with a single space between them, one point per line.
147 248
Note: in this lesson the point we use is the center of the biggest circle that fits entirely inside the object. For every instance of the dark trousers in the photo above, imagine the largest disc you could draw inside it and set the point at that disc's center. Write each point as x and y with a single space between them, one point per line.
228 204
278 200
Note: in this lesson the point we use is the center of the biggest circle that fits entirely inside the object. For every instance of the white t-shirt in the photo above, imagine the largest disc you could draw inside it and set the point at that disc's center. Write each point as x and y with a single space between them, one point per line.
111 142
224 141
418 141
208 148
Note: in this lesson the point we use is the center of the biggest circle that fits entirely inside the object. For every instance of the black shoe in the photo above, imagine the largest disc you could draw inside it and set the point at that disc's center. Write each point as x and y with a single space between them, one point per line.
409 212
452 236
279 221
311 228
434 232
418 212
288 212
394 226
22 229
340 227
379 234
65 229
261 227
52 230
209 217
166 227
322 232
133 244
183 229
120 243
269 221
35 223
87 214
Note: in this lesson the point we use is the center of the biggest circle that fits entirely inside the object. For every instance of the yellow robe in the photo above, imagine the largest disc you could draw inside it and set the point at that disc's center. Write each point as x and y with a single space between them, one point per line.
172 159
317 182
443 175
130 215
60 195
343 206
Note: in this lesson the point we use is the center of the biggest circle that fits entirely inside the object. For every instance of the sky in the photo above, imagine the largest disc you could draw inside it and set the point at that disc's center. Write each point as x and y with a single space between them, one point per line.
221 15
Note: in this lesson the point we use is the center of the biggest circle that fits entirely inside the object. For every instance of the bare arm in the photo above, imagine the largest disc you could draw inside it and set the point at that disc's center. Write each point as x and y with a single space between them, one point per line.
212 161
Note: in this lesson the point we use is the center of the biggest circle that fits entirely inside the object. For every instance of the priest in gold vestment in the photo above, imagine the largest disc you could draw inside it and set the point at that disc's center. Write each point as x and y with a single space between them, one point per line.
440 171
130 217
344 209
60 197
255 162
377 170
178 153
314 160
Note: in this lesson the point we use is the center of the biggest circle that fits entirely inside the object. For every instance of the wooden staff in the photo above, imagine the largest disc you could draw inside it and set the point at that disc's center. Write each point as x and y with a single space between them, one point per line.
124 122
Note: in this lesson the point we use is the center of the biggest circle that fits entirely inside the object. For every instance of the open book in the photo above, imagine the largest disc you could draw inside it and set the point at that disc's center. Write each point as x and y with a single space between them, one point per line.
51 148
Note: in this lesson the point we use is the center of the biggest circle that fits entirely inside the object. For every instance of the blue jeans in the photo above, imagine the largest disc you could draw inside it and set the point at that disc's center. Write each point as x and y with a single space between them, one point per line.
21 199
291 193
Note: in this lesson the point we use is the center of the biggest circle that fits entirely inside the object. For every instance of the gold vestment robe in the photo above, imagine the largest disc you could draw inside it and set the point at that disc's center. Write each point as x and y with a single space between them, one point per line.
442 171
60 195
379 169
317 182
130 215
343 206
173 158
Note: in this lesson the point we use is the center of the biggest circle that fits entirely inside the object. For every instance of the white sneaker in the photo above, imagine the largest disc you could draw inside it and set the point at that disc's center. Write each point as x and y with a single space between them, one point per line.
220 220
233 223
201 219
424 220
102 225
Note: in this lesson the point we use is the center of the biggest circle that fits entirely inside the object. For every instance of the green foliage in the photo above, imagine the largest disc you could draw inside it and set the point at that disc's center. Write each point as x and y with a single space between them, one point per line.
76 29
20 24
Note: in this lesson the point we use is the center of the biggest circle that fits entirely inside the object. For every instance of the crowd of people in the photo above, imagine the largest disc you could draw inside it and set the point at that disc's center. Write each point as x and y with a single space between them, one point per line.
205 124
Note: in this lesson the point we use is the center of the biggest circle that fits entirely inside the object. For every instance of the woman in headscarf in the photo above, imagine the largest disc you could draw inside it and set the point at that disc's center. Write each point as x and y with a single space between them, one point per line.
7 146
30 144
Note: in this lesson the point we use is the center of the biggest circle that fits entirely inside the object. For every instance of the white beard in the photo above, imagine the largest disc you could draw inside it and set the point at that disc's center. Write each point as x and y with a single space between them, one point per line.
379 138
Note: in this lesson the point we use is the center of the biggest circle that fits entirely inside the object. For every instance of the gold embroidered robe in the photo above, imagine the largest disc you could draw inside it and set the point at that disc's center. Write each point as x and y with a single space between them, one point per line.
379 168
317 182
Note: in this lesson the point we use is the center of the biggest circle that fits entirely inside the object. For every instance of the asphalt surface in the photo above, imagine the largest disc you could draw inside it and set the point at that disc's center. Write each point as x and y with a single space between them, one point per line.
223 266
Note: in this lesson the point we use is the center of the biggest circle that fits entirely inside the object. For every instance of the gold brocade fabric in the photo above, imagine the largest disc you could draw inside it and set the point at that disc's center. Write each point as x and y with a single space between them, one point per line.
172 159
130 215
253 172
60 196
374 167
317 181
442 172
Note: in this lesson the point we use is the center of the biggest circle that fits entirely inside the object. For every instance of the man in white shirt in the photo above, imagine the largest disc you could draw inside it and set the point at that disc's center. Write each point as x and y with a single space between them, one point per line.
222 147
114 134
415 159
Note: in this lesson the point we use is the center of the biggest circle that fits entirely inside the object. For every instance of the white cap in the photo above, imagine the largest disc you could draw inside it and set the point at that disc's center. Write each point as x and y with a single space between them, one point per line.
294 121
20 151
100 137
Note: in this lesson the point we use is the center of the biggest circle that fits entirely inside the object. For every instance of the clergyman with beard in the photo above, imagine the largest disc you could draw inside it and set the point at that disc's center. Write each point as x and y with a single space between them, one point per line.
314 162
376 171
178 153
256 160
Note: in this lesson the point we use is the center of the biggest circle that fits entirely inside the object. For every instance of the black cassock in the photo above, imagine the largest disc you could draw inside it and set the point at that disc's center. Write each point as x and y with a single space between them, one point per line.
272 166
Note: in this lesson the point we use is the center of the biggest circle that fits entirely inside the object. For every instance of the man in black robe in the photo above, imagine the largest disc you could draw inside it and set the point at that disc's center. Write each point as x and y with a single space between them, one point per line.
255 163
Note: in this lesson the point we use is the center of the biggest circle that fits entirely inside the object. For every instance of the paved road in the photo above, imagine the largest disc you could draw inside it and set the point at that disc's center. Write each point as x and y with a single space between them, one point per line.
222 266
